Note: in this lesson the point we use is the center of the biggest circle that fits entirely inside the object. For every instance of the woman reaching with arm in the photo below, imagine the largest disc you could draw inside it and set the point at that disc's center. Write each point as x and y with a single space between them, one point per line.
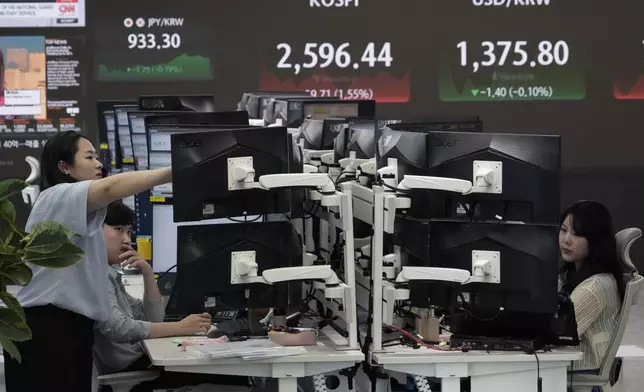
61 305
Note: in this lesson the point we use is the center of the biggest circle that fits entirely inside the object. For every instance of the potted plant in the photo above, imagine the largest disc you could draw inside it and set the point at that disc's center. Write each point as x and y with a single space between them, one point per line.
49 244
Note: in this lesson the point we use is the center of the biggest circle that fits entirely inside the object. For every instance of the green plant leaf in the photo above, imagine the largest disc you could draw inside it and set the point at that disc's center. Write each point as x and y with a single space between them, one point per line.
12 326
8 212
68 254
7 250
12 303
47 237
9 259
11 348
9 188
17 273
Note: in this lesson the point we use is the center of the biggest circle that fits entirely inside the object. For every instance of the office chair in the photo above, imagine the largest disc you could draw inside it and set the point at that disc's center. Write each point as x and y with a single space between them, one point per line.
124 382
608 379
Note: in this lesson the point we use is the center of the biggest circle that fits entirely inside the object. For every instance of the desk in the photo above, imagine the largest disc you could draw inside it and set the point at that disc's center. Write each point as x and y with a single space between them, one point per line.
318 359
493 372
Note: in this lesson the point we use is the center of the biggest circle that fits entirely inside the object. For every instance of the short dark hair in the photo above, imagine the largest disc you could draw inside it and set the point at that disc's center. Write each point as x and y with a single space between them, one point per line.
63 146
118 214
593 221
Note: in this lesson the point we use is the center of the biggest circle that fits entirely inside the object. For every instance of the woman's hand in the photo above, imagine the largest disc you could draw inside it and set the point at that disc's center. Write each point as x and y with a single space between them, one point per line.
196 323
132 258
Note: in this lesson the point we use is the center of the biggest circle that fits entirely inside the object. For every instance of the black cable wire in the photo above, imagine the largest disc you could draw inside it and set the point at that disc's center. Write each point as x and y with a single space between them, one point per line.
539 381
312 213
245 219
161 275
467 211
469 312
393 188
337 180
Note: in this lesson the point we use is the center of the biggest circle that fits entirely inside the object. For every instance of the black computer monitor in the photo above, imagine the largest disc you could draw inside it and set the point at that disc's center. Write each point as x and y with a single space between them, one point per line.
139 136
530 176
254 103
123 133
357 136
345 141
362 141
529 267
407 140
160 152
320 134
197 118
177 103
200 172
139 121
107 131
204 265
321 108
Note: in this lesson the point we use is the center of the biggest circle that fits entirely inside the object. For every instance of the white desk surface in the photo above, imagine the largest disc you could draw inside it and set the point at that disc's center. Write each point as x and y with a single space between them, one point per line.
407 355
163 352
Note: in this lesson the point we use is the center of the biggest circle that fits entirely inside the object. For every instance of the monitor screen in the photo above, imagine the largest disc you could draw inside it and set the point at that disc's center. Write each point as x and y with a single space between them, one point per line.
159 150
164 236
204 258
123 132
139 141
321 111
530 175
202 188
109 120
178 103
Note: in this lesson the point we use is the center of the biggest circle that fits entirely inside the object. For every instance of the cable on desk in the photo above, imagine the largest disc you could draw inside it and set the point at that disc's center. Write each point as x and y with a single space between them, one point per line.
471 314
539 380
161 275
418 341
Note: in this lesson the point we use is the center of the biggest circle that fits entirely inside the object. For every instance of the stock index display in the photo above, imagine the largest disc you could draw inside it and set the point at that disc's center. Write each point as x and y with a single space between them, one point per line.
410 53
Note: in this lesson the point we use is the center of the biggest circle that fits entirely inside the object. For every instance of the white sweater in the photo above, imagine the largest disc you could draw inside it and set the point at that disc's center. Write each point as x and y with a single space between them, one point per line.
597 308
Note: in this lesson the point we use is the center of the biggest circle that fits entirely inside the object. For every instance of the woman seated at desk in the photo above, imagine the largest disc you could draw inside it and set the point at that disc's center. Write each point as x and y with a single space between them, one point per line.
119 340
593 278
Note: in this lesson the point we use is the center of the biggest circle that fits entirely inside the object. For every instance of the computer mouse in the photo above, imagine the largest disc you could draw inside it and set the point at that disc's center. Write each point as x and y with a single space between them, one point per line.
215 333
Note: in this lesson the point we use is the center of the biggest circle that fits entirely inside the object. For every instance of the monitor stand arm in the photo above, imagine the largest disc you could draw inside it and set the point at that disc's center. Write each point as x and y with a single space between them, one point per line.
320 181
244 271
409 274
485 271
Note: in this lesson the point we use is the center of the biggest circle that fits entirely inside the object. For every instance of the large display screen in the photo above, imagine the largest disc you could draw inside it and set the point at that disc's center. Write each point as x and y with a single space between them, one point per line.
522 51
42 13
629 57
336 49
159 41
569 67
40 84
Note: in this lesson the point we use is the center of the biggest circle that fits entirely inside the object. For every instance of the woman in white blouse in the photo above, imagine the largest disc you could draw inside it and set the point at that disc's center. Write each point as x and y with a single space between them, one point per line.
592 277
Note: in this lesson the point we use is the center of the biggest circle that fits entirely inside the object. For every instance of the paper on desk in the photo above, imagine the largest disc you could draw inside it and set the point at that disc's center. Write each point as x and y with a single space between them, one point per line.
275 353
199 341
248 350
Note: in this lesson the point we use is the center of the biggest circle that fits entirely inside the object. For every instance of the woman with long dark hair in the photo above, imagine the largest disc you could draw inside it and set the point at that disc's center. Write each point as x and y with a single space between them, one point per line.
592 276
62 305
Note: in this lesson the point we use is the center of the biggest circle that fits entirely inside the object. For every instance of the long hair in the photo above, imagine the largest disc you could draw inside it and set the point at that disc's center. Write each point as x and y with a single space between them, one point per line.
592 221
63 146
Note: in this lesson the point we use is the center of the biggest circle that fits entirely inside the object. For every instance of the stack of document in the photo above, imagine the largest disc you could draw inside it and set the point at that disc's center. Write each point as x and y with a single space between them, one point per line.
252 349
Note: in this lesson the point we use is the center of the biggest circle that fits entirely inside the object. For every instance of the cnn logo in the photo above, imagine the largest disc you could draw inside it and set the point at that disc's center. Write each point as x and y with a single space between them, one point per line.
67 8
